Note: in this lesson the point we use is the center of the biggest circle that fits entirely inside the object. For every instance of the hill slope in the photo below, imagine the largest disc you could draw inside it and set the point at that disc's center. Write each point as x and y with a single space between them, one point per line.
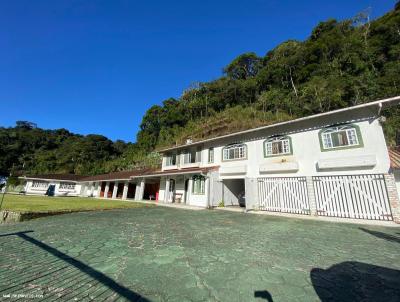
341 64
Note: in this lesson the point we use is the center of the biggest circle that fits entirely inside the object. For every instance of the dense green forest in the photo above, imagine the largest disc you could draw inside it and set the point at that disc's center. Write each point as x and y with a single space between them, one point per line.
342 63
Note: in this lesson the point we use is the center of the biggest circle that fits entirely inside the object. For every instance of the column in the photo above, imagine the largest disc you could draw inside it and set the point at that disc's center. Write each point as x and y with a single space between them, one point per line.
166 195
98 189
251 193
140 190
393 197
115 190
311 196
107 188
125 192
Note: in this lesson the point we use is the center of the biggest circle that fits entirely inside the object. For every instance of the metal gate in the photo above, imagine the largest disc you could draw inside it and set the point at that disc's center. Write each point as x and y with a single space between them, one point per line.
352 196
284 194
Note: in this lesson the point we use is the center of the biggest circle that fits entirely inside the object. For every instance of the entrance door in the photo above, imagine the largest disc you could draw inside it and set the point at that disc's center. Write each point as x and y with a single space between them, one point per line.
51 190
102 189
186 190
171 190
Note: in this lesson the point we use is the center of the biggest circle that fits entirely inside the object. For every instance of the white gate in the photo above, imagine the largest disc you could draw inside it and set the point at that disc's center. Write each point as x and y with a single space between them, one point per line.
352 196
284 194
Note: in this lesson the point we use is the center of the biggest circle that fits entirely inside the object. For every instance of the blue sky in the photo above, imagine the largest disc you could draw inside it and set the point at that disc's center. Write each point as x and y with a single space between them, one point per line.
97 66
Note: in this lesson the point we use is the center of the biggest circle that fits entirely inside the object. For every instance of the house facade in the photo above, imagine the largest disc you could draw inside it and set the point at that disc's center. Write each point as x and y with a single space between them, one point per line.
331 164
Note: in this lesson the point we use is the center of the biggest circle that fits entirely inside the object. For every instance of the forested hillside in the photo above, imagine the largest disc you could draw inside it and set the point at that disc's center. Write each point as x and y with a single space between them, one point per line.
342 63
26 148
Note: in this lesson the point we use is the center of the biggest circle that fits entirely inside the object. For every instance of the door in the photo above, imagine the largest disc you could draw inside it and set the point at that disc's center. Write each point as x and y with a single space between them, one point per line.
352 196
186 191
51 190
171 190
284 194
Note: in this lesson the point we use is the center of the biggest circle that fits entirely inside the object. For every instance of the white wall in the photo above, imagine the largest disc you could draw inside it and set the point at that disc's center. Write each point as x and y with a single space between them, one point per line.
306 149
58 192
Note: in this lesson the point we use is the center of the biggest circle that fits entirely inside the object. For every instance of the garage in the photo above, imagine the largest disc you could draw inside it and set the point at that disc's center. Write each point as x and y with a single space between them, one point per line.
284 194
352 196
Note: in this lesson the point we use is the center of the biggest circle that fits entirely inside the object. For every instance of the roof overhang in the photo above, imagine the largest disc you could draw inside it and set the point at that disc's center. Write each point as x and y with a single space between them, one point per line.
176 172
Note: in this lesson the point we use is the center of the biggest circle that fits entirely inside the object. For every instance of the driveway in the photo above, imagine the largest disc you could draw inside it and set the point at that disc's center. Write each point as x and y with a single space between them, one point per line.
164 254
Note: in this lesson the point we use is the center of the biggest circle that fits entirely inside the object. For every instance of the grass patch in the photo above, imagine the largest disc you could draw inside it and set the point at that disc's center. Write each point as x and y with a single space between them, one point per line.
24 203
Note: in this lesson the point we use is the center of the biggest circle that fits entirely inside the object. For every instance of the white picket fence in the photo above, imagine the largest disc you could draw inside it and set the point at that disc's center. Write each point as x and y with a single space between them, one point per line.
284 194
352 196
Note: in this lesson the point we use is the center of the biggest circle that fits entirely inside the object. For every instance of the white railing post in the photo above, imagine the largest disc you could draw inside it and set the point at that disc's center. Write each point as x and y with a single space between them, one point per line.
311 196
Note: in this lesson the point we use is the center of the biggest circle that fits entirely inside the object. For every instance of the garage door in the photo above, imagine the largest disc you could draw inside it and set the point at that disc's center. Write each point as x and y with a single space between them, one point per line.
284 194
352 196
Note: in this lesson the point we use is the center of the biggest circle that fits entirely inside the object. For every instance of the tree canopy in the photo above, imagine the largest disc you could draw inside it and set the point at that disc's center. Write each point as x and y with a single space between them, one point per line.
342 63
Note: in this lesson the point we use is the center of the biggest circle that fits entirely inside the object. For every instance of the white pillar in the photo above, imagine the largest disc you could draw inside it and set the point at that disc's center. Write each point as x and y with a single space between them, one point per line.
107 188
98 189
140 190
166 195
115 190
125 192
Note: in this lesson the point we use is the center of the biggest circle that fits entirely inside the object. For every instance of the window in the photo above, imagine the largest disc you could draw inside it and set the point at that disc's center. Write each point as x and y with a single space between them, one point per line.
278 145
39 184
236 151
191 156
67 186
344 136
170 160
211 155
199 184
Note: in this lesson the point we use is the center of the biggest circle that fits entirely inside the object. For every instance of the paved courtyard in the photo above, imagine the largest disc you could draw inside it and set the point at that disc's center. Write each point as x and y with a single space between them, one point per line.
163 254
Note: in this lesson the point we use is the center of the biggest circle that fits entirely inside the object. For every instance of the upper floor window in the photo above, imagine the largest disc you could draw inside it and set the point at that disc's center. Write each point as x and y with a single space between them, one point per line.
235 151
343 136
199 184
170 160
211 155
278 145
191 156
67 186
39 184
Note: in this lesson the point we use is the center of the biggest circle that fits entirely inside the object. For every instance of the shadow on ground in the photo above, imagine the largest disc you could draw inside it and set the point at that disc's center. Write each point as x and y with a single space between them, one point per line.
381 235
51 274
356 281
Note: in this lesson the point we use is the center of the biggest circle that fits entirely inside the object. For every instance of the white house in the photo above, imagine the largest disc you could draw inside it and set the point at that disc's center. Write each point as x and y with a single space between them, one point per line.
329 164
54 184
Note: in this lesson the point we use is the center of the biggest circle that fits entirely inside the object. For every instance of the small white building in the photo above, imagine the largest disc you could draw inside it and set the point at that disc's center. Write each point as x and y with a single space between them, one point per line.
53 185
330 164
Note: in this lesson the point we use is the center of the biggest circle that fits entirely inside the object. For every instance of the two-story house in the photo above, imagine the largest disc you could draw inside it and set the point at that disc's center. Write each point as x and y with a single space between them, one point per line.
329 164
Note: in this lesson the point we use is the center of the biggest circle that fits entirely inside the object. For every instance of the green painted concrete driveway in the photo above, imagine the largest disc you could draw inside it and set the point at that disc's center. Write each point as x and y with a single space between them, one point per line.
163 254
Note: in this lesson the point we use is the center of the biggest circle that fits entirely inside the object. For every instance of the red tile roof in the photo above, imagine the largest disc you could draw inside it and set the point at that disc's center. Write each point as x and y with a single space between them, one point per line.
121 175
394 154
67 177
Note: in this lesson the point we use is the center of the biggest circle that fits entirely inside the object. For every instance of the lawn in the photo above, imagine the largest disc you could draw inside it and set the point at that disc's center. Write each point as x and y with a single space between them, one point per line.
164 254
25 203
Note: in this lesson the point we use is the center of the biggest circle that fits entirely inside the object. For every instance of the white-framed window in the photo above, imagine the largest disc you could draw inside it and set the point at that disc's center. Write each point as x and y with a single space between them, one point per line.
340 136
199 184
278 145
191 156
235 151
67 186
211 155
170 160
39 184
